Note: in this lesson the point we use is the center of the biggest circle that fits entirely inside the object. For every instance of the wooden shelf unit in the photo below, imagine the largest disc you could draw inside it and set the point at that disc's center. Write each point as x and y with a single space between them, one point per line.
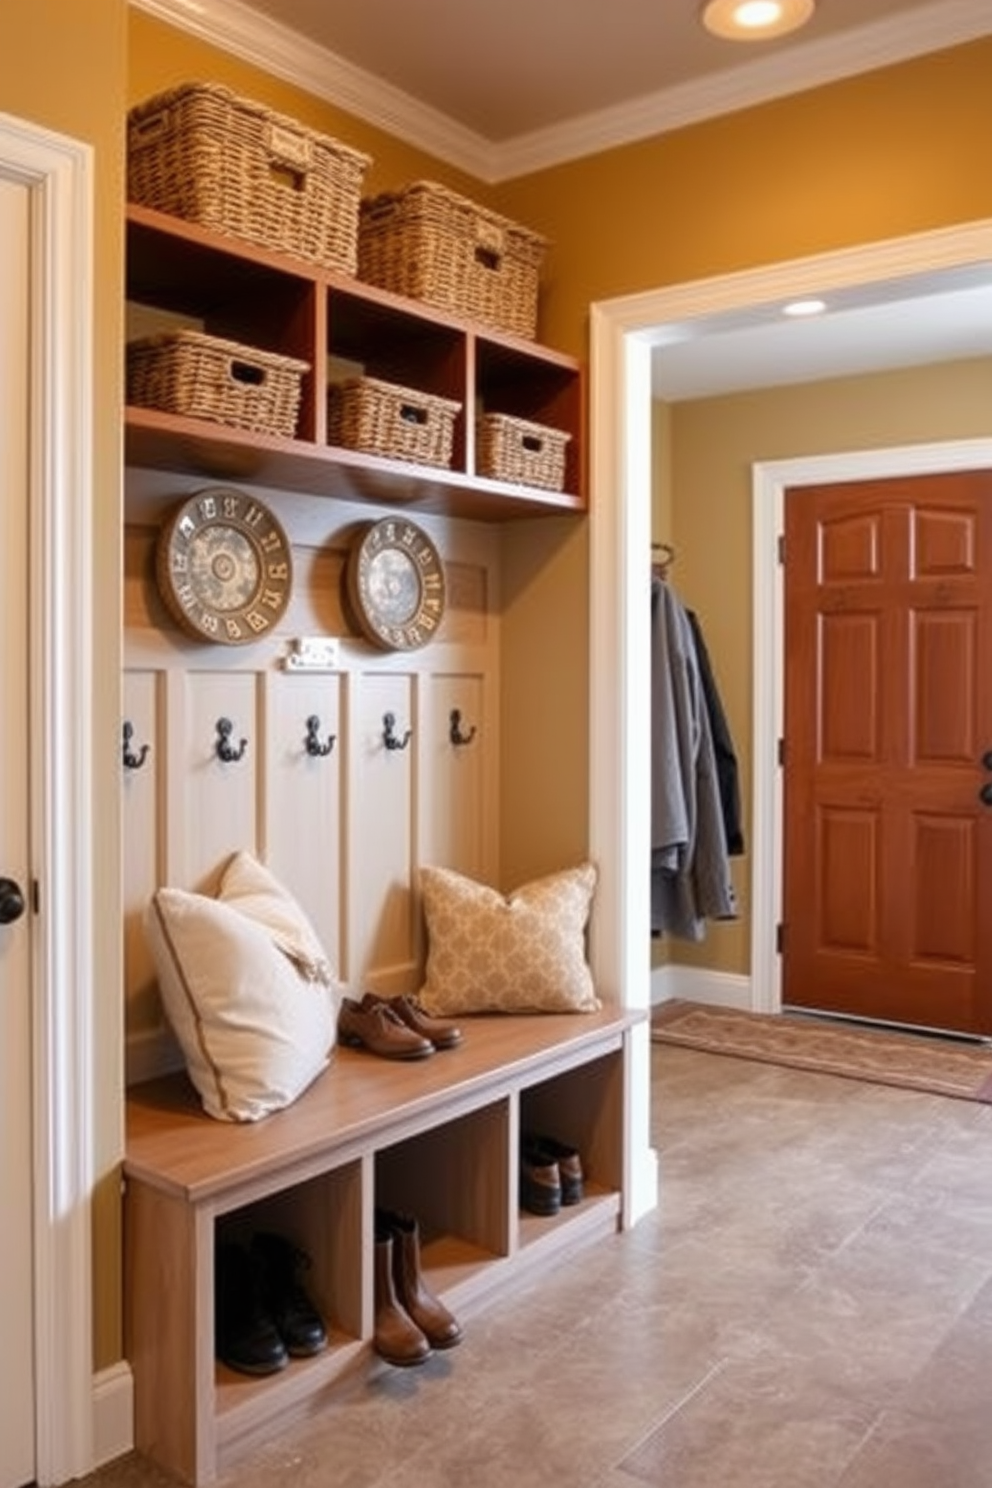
438 1138
183 274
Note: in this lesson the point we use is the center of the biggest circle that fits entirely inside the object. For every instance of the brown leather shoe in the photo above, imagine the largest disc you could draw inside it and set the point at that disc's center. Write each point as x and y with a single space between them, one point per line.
442 1033
376 1028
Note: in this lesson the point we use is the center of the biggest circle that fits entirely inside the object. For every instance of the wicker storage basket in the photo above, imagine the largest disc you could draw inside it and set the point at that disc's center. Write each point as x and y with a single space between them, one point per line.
513 449
202 153
382 418
432 245
190 373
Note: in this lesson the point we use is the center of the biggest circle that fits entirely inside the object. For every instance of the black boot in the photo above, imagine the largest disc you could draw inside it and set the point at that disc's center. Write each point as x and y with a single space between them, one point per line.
298 1322
246 1338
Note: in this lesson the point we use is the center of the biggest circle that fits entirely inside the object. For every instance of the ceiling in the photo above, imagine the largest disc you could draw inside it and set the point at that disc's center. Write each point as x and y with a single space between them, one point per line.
501 89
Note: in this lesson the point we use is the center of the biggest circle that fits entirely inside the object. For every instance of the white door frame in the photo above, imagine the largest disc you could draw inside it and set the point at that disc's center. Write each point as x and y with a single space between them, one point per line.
622 332
59 175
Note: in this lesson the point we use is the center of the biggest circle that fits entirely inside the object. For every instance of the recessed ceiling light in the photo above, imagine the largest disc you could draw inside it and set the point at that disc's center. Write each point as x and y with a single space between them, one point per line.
755 20
799 308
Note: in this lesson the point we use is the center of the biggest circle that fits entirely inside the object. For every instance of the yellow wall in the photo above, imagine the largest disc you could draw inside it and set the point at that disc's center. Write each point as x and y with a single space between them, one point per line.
894 152
714 443
897 151
62 64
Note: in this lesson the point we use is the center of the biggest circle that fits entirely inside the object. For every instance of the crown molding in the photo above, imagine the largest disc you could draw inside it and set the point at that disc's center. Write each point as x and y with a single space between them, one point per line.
236 28
805 65
245 33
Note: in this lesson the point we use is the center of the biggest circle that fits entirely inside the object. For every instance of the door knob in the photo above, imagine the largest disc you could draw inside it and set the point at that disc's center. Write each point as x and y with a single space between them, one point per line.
987 760
11 901
985 794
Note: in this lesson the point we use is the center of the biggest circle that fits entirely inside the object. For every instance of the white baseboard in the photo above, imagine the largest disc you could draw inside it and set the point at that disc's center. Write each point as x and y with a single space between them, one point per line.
697 984
113 1413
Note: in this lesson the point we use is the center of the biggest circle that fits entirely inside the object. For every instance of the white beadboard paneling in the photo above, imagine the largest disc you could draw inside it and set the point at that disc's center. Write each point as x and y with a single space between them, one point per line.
302 799
456 816
381 924
217 802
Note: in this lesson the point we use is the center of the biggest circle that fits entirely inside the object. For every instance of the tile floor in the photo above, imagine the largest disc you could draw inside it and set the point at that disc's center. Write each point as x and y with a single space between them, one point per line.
809 1307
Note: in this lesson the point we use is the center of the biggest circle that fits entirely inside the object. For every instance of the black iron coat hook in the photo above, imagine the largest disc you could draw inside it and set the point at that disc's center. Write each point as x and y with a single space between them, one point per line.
455 730
312 743
389 735
129 759
223 747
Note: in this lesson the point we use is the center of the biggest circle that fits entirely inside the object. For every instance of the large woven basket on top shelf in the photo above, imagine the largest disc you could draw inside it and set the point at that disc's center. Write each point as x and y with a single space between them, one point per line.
382 418
200 376
430 244
202 153
517 450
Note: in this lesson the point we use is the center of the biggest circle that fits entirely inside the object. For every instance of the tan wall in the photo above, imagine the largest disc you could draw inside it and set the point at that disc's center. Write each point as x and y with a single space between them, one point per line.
714 443
62 66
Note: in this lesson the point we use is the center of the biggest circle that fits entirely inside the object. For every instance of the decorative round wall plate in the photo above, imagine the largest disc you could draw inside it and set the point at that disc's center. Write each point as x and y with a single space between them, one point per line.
396 585
224 567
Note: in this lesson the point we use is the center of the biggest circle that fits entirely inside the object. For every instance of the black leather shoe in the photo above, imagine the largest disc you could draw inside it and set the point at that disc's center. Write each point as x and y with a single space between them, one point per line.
567 1158
540 1180
246 1338
284 1297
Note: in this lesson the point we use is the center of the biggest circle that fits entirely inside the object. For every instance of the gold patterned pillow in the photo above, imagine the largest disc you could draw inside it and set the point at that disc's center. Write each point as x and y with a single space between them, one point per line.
518 953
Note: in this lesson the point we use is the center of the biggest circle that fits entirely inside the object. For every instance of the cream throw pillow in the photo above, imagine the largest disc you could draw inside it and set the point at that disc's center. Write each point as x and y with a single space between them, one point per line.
518 953
247 989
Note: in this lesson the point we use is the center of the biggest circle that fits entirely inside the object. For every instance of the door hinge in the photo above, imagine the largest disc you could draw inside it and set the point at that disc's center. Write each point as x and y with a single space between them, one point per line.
781 751
781 548
35 896
779 938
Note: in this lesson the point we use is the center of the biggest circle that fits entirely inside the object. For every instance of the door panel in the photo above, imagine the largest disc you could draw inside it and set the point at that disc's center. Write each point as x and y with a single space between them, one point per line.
17 1407
888 844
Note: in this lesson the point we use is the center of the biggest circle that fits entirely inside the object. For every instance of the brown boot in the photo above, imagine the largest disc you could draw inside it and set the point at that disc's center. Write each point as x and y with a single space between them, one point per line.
397 1338
431 1316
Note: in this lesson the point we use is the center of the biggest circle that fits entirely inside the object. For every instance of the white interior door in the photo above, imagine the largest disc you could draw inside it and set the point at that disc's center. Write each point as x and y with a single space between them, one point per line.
17 1364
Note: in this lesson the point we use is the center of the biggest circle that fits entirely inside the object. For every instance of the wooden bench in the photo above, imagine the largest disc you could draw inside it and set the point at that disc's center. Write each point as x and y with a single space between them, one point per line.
436 1137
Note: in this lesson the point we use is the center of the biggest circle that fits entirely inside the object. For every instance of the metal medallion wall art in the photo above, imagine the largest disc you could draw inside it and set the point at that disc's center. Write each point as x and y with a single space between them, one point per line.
224 567
395 583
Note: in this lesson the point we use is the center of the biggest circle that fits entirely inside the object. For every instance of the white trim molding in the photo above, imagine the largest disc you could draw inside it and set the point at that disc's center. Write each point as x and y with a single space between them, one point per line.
59 175
239 29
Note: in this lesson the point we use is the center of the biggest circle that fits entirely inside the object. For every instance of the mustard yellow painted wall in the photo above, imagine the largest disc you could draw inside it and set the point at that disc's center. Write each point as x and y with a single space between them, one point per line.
900 150
62 65
714 443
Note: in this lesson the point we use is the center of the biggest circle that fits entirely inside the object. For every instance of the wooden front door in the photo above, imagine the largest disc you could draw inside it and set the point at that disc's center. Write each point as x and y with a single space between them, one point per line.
887 885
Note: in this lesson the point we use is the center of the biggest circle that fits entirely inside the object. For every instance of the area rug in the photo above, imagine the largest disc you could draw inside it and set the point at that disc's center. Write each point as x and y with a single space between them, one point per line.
938 1066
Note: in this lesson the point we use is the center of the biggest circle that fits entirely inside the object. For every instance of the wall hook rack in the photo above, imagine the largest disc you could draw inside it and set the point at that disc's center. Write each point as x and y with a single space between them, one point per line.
223 747
312 743
455 729
129 759
389 737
